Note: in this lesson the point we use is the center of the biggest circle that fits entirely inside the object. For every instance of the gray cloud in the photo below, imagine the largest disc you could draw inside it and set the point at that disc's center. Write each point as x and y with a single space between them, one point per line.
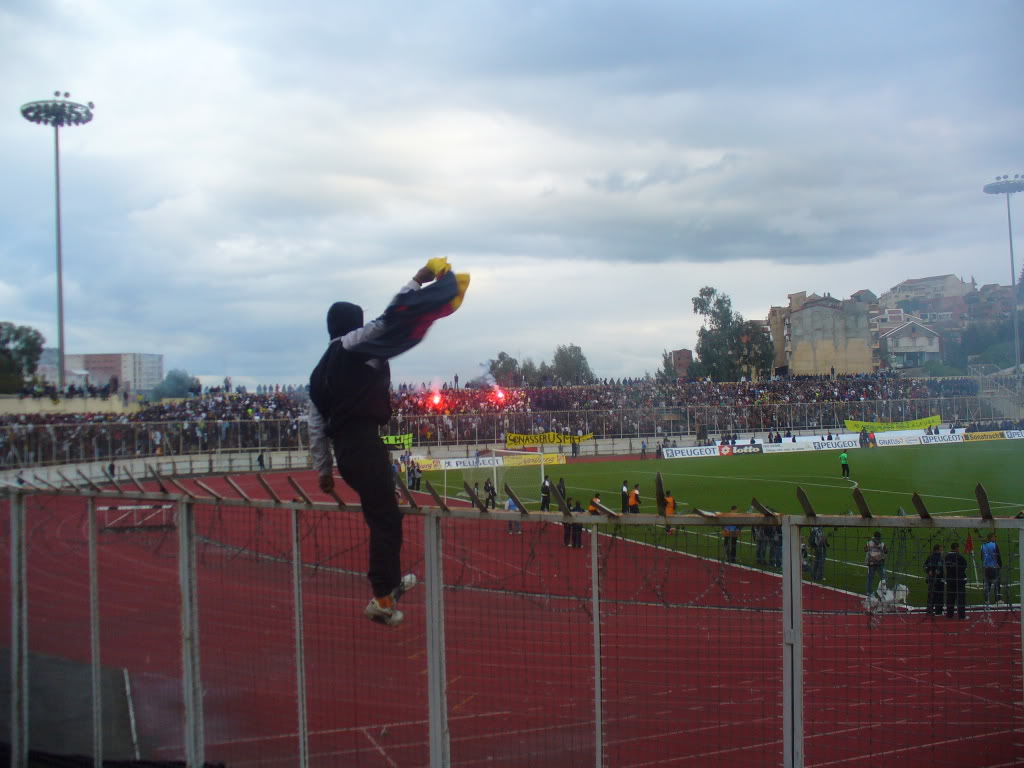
250 163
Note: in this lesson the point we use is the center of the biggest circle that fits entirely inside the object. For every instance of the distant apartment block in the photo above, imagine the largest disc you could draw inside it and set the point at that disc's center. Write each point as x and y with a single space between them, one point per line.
135 371
992 303
925 289
681 361
818 335
910 344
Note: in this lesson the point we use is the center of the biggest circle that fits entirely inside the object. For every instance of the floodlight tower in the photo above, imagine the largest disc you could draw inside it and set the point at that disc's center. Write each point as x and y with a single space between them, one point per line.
1004 185
60 113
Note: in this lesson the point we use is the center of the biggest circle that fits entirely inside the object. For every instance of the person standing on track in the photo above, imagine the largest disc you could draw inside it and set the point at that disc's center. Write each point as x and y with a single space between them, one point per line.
670 510
514 528
933 573
731 535
545 495
956 582
874 559
992 562
634 500
491 494
625 497
819 544
350 394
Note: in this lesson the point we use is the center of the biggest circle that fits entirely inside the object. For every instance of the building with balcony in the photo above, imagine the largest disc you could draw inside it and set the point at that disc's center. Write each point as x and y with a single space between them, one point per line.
818 335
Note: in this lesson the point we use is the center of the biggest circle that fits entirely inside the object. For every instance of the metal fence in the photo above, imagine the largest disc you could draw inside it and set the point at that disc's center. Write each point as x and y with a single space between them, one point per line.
220 627
50 444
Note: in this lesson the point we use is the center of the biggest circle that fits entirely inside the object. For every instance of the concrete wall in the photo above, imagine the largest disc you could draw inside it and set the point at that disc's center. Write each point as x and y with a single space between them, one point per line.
824 337
11 404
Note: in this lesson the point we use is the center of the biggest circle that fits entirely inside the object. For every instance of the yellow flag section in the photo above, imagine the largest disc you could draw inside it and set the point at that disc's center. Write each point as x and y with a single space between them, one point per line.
526 460
404 441
533 459
544 438
893 426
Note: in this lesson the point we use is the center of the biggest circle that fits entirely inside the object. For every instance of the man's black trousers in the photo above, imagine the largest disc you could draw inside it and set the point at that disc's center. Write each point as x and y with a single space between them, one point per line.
956 596
365 465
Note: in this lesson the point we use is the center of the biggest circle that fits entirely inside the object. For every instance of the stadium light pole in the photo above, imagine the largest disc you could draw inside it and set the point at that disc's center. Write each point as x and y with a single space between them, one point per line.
1004 185
59 113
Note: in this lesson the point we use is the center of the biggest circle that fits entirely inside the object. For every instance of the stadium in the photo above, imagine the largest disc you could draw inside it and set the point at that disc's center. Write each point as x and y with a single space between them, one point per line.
302 461
647 643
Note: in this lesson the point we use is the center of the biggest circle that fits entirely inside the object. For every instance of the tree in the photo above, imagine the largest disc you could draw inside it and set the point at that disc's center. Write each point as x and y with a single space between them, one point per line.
757 352
505 369
570 366
20 349
667 373
531 375
728 346
176 383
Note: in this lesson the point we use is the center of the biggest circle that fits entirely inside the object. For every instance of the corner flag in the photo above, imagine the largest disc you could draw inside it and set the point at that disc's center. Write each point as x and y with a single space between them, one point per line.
969 546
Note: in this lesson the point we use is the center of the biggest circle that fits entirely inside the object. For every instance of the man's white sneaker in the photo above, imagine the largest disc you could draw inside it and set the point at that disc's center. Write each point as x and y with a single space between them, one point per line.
391 617
409 581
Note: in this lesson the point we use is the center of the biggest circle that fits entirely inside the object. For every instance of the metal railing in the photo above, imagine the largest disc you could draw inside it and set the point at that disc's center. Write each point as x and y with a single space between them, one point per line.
54 444
213 538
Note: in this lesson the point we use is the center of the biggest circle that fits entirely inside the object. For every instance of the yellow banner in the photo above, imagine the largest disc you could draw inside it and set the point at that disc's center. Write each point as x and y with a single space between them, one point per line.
892 426
544 438
403 441
533 459
972 436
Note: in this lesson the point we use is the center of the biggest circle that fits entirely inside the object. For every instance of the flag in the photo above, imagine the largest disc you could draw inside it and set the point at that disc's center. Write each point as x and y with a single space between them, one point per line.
969 546
410 315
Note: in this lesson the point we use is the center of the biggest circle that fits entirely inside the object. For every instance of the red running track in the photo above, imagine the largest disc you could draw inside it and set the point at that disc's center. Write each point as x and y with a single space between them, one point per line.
691 651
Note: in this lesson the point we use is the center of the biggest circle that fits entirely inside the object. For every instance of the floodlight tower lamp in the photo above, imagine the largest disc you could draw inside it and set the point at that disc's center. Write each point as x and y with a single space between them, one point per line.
1004 185
59 113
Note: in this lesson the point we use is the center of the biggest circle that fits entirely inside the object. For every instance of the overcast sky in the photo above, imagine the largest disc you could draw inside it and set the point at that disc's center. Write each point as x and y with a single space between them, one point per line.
591 164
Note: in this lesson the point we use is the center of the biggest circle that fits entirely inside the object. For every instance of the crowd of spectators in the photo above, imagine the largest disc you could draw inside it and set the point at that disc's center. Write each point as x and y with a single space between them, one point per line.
275 417
50 392
611 394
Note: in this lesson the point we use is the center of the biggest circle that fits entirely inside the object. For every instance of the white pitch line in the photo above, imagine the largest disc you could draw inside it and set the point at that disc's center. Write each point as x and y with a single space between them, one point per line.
929 745
951 689
379 748
823 485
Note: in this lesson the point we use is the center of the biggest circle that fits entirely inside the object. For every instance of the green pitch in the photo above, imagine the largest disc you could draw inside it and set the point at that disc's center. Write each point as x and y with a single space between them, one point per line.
944 475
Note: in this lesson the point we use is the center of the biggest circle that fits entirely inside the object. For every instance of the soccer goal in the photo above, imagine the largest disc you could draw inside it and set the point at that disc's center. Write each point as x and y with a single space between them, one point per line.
523 471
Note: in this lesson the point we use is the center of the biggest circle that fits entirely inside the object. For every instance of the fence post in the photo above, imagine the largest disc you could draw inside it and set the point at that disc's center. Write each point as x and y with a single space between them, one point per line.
595 597
1020 591
192 687
300 642
792 647
94 639
437 705
19 636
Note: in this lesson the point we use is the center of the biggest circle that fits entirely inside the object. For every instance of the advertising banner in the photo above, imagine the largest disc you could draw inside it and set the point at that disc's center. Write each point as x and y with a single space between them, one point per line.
788 447
533 459
1014 434
936 439
690 453
738 450
970 437
893 426
398 441
544 438
483 461
835 445
898 440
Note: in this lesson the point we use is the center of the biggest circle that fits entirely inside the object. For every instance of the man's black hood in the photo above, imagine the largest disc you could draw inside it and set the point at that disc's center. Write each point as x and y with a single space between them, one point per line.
343 317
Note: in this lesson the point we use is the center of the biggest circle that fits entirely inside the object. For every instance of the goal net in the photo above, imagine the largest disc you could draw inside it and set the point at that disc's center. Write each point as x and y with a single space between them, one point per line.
522 471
